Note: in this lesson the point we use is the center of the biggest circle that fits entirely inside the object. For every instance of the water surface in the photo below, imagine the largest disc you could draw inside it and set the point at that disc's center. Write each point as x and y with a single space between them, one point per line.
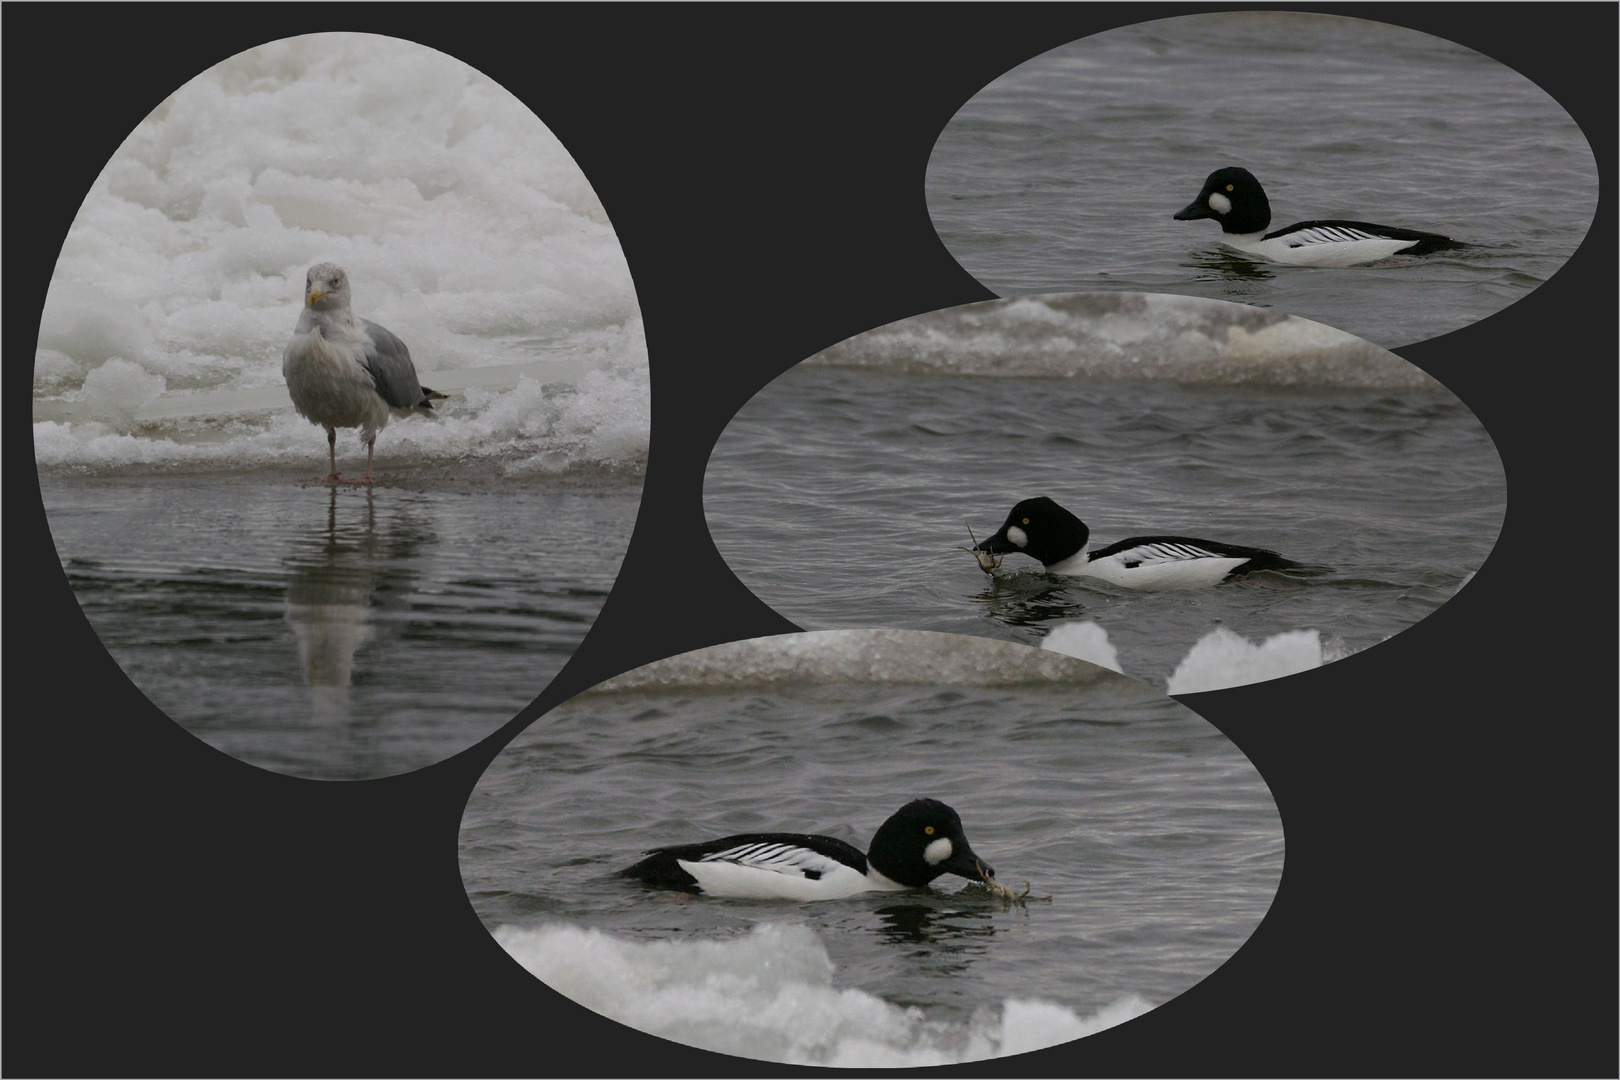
1063 174
841 493
338 633
1151 846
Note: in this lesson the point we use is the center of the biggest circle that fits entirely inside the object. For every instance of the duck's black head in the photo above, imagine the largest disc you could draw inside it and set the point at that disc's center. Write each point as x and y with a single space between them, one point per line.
1042 529
1234 198
921 841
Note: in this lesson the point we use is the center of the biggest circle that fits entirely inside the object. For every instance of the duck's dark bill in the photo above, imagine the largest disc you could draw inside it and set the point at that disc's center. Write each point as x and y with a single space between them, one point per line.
1194 210
997 545
968 865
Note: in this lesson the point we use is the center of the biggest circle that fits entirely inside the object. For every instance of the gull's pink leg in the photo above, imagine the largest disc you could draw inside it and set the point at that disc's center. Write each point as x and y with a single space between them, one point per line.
371 449
331 453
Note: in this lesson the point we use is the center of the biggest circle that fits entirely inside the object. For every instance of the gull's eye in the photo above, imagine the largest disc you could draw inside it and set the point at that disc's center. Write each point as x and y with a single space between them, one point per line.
928 830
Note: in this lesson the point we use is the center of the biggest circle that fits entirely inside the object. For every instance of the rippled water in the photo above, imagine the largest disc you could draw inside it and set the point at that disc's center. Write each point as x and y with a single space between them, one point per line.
1064 173
338 634
1156 842
840 497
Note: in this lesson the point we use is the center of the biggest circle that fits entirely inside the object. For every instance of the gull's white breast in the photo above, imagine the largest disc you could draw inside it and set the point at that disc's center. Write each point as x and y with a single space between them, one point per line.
329 385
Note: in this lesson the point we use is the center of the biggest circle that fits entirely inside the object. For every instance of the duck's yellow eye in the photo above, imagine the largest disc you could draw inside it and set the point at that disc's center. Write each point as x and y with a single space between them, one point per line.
1026 521
928 830
1228 187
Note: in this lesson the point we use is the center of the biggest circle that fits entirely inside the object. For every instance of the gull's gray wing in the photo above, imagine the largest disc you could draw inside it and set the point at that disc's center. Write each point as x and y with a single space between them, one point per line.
389 362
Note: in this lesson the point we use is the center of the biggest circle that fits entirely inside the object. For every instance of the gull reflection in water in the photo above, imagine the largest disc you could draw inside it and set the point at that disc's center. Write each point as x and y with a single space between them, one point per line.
335 576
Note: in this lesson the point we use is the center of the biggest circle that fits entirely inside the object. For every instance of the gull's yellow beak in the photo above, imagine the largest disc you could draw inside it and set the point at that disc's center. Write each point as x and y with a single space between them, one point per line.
315 293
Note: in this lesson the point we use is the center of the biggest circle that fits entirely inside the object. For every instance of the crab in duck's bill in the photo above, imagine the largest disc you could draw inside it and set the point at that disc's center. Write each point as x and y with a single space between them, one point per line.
998 889
988 561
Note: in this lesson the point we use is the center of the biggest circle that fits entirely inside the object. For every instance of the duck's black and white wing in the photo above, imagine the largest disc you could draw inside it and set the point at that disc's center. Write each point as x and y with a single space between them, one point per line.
773 866
794 858
1146 549
1167 561
1407 241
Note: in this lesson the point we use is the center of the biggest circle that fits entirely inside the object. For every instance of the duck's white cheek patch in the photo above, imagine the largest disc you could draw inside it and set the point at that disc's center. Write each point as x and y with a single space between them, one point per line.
1017 536
938 851
1219 203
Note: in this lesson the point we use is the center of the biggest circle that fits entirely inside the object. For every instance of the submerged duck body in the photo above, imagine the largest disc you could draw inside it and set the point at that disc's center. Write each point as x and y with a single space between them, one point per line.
920 842
1235 198
1043 530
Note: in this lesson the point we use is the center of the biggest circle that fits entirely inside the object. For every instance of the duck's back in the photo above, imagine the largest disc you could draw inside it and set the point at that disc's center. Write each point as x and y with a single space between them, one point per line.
797 866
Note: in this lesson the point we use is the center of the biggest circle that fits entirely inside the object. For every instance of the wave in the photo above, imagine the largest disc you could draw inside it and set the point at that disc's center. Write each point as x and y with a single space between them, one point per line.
769 995
1139 336
466 227
881 656
1219 659
1084 640
1222 658
597 425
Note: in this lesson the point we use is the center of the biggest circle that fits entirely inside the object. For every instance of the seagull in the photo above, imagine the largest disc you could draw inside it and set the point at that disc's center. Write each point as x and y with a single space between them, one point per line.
347 372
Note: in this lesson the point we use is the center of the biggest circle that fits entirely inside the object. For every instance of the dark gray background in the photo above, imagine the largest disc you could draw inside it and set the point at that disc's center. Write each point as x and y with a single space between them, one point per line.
171 910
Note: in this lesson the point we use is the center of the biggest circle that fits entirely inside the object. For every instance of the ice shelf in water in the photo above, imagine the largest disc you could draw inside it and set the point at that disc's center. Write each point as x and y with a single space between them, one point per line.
1140 336
769 995
467 230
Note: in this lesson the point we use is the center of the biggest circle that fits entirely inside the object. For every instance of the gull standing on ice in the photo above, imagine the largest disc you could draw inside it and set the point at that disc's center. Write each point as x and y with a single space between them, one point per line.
347 372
